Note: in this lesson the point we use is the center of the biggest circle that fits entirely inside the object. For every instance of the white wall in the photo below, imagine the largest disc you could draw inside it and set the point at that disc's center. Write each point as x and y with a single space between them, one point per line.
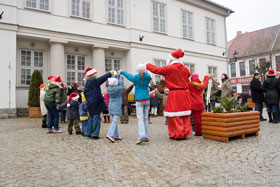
8 69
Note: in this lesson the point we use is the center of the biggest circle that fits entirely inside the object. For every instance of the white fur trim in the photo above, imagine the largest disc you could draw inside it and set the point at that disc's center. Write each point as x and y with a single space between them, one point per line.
176 61
68 105
76 98
90 72
271 75
174 114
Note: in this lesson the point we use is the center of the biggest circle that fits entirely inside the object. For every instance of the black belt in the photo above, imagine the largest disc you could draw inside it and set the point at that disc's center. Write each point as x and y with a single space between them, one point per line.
178 89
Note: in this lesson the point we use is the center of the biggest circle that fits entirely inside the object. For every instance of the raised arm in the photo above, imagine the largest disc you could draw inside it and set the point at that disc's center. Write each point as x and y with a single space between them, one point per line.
129 89
157 70
103 78
205 81
130 77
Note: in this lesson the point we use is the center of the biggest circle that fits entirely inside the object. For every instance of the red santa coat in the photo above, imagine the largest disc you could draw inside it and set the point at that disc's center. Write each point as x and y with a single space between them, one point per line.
177 78
196 91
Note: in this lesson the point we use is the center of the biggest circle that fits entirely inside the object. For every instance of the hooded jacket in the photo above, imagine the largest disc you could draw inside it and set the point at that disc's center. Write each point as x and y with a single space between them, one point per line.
53 94
115 102
196 91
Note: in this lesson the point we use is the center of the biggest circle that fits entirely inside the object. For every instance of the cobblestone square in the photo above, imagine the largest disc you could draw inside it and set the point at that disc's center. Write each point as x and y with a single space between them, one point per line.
30 157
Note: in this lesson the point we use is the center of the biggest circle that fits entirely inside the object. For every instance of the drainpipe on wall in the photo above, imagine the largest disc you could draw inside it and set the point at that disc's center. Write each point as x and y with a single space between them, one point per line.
227 60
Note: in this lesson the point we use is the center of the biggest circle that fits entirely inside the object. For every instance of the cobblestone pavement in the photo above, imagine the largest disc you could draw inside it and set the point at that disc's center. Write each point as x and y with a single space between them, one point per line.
30 157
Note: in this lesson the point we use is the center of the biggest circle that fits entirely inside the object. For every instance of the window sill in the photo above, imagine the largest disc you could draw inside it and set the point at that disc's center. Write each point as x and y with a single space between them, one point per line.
211 44
163 33
22 87
115 24
82 18
39 10
190 39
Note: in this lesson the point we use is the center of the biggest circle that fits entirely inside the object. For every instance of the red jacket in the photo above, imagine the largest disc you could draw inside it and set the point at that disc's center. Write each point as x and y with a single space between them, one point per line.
196 91
176 78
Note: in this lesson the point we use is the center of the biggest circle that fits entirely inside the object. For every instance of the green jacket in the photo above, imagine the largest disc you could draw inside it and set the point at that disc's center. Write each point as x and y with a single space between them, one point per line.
53 95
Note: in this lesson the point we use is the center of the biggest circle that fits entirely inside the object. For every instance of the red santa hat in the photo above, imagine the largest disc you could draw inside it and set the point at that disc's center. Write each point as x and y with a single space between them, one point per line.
88 72
73 96
166 89
270 72
51 78
58 80
42 86
175 55
278 72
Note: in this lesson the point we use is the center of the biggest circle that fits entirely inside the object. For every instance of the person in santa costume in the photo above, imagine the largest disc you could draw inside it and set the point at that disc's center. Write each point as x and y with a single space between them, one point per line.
95 100
178 105
196 88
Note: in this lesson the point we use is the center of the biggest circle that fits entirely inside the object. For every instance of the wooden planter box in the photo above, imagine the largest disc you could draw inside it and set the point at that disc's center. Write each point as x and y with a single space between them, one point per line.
35 112
222 126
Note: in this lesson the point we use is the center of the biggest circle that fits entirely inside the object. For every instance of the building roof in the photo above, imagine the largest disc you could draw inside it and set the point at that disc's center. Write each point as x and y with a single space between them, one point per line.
255 43
218 5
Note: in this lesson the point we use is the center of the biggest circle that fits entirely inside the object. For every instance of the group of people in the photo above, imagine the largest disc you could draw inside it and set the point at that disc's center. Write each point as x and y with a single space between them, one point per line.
183 95
268 93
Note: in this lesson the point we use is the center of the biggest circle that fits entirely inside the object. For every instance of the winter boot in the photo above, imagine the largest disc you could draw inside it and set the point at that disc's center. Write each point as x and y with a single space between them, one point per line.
44 124
149 120
275 120
109 120
270 117
105 119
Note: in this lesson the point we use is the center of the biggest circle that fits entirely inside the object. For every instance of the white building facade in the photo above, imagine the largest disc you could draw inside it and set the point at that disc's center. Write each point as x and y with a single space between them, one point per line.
64 37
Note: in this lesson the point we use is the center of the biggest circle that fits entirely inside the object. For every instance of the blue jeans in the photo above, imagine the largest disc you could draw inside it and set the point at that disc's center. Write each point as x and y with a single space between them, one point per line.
142 112
93 128
54 117
113 131
84 126
272 108
259 108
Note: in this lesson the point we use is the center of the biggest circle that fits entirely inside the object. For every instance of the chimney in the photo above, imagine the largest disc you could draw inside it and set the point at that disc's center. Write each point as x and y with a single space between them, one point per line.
238 33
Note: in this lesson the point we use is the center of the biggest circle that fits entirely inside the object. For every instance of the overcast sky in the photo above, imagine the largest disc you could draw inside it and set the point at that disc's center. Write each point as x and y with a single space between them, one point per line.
250 15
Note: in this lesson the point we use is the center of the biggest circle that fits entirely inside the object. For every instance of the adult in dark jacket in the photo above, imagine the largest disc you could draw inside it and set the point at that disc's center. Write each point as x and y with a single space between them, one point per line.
270 87
52 100
63 99
125 92
95 100
73 114
257 94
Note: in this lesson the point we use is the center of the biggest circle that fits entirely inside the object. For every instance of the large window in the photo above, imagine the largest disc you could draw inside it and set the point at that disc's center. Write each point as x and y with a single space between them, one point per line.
38 4
80 8
210 31
212 71
116 12
242 68
29 62
159 17
252 67
112 64
233 69
187 19
159 63
277 60
75 69
190 67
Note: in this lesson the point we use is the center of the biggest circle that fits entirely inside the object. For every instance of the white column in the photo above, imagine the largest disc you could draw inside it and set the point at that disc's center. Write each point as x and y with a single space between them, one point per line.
98 60
57 64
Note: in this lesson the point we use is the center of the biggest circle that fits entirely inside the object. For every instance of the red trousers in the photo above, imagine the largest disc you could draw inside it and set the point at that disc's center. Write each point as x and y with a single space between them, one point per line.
197 122
179 127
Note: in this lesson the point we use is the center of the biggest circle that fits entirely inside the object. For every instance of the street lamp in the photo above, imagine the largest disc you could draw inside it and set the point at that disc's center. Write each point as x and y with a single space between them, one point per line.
235 55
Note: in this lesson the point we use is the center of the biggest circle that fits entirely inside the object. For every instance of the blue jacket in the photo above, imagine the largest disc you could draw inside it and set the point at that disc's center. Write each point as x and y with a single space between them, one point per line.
95 100
141 88
115 102
72 110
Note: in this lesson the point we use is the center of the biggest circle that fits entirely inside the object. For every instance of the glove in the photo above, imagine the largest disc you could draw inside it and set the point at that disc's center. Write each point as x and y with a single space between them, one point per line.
113 72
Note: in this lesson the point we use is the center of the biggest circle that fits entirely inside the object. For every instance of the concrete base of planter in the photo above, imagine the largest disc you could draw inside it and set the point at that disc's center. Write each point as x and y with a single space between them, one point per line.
222 126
